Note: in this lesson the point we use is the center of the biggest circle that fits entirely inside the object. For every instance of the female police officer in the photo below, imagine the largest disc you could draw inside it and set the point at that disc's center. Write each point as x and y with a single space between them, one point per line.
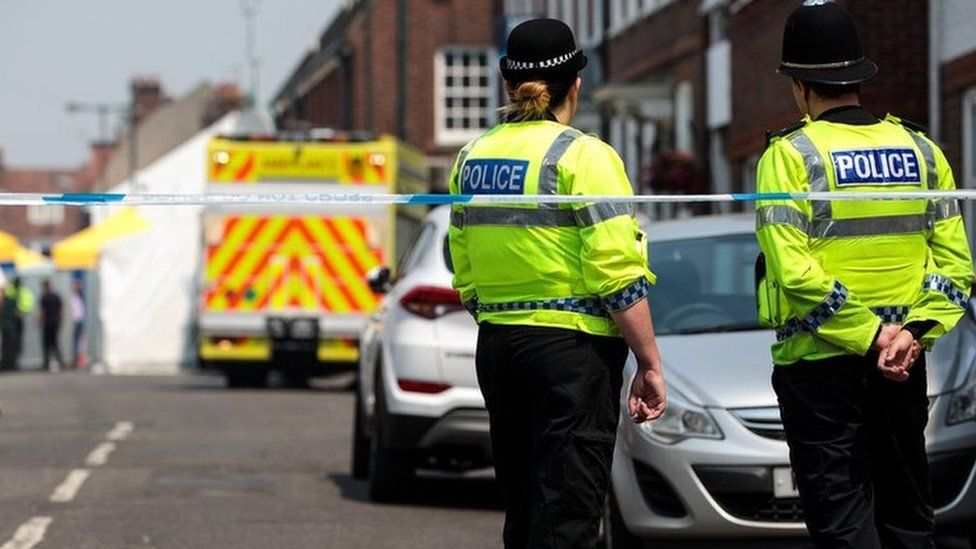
559 292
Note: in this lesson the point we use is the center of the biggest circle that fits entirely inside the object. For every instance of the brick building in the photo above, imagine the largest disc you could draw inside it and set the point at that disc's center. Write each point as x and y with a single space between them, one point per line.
696 78
422 70
684 89
953 92
162 124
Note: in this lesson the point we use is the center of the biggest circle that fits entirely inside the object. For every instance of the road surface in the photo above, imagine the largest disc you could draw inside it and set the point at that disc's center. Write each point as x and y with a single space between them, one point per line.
105 462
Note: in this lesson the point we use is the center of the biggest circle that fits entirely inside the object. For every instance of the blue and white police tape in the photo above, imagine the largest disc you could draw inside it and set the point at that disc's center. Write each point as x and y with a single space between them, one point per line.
378 199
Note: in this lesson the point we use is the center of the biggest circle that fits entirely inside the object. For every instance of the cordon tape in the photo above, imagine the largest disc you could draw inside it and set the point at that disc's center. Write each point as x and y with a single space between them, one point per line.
378 199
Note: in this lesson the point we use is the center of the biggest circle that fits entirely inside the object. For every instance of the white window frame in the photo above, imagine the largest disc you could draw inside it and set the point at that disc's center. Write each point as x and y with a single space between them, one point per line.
443 135
624 13
45 216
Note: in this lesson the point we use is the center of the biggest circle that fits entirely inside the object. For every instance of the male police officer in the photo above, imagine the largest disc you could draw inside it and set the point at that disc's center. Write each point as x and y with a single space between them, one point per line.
853 289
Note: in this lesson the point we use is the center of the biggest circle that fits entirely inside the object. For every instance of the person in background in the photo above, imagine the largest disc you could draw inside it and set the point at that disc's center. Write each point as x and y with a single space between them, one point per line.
77 323
19 303
8 328
51 316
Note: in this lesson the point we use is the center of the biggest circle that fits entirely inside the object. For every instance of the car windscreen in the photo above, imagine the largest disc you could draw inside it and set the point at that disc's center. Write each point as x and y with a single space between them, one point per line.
704 285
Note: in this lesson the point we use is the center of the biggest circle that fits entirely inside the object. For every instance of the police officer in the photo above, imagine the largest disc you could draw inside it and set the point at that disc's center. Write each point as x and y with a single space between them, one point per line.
854 289
559 292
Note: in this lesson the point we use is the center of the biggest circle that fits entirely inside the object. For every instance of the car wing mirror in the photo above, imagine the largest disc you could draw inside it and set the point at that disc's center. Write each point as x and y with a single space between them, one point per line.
379 279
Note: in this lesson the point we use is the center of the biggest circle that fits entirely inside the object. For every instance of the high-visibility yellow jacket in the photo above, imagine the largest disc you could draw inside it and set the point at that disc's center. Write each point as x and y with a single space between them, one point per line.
24 298
837 270
564 266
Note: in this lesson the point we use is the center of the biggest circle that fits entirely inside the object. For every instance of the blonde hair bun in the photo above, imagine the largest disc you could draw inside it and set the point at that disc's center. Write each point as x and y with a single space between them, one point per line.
530 100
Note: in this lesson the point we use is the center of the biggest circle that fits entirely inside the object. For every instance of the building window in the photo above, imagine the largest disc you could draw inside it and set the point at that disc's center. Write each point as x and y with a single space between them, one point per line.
466 93
43 216
624 13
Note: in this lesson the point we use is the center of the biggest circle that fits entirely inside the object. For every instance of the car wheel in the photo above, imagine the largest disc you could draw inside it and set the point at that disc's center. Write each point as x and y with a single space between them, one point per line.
391 471
246 379
615 534
360 442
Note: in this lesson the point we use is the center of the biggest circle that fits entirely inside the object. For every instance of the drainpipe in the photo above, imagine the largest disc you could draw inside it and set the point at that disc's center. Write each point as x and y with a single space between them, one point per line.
935 59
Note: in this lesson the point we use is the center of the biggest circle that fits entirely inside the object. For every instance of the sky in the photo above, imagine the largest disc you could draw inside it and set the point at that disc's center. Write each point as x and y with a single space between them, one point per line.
56 51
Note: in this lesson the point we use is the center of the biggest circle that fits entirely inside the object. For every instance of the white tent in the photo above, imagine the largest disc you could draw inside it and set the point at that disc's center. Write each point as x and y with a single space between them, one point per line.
147 282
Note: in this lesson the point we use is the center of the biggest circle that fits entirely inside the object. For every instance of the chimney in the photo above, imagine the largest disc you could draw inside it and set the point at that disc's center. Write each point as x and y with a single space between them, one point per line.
101 152
147 96
227 98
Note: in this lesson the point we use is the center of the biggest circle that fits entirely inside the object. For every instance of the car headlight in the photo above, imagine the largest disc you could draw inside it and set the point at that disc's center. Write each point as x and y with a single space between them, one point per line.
682 420
962 402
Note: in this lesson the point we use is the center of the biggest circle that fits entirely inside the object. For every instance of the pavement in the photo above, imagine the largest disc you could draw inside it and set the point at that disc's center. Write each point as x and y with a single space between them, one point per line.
124 462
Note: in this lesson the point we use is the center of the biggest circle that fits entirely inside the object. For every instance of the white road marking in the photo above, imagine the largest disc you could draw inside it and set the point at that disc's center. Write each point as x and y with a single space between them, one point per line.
99 456
121 431
69 488
29 534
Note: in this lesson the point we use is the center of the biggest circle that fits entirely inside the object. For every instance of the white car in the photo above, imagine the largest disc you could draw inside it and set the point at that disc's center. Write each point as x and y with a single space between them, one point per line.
418 406
716 465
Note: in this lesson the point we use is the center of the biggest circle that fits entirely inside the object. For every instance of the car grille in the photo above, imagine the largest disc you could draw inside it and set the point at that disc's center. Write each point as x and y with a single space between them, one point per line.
746 492
658 493
765 422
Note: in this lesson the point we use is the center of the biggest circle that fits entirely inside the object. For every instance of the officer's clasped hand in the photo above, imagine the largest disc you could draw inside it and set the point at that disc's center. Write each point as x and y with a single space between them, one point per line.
897 352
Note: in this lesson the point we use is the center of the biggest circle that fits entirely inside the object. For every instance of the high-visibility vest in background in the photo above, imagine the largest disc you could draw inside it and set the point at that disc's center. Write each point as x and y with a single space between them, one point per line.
564 266
835 271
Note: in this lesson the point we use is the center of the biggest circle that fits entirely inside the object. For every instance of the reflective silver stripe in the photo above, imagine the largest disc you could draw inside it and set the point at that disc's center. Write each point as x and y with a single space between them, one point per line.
457 219
870 226
549 173
943 209
598 213
932 175
514 217
816 172
781 215
462 158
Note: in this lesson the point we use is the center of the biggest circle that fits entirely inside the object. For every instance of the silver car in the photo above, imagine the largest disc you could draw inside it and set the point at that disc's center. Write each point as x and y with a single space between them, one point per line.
716 464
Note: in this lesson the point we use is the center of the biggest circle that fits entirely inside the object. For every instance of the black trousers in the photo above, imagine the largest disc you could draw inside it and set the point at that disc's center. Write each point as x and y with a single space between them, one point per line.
857 447
51 346
8 348
553 400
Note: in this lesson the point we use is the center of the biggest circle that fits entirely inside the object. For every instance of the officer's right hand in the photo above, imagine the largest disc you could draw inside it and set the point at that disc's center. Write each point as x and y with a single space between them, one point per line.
898 357
648 397
887 334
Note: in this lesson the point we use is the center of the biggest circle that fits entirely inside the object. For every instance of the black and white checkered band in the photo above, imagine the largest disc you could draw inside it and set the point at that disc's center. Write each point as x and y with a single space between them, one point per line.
627 297
513 65
582 305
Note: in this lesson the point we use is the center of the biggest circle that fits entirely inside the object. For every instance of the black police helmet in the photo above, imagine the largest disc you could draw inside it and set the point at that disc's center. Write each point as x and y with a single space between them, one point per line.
541 49
821 44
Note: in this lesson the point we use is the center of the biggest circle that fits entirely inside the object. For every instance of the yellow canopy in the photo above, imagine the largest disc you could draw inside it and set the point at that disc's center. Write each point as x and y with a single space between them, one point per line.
81 250
8 247
25 259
